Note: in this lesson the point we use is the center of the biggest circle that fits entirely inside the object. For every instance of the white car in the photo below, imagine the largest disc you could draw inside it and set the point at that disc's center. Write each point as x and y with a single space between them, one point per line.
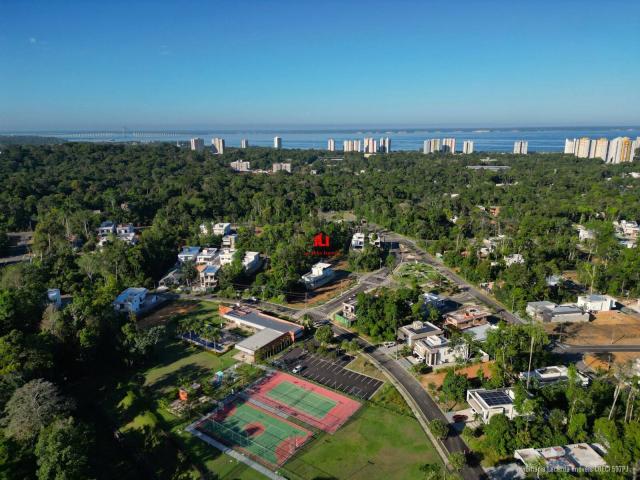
297 369
389 344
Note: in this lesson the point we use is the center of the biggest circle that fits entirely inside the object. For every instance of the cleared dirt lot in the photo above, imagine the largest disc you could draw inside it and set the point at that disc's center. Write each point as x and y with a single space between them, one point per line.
471 372
612 327
162 315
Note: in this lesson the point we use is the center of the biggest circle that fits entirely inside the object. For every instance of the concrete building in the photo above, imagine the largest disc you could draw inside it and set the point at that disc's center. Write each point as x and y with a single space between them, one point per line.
521 147
431 146
596 303
436 350
351 145
570 146
106 228
229 240
535 309
384 145
487 403
331 145
244 143
217 146
577 457
281 167
251 262
467 146
582 147
188 254
565 314
416 331
272 334
601 148
513 259
207 256
221 229
348 314
619 150
554 374
370 145
467 317
277 142
320 274
635 149
133 300
358 241
240 166
449 145
208 276
197 144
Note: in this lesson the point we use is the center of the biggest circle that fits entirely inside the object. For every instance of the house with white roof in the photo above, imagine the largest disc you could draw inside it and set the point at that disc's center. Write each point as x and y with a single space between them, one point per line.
358 241
417 330
320 274
222 229
513 259
229 241
596 303
207 256
553 374
437 350
226 256
487 403
251 261
133 300
577 457
188 254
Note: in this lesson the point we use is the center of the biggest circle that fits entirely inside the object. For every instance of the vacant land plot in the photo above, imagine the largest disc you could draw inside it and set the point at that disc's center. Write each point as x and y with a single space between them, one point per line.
608 327
437 378
360 364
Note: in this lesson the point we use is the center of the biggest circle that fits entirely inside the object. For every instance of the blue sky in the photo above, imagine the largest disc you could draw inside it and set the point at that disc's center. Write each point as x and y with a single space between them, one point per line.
183 64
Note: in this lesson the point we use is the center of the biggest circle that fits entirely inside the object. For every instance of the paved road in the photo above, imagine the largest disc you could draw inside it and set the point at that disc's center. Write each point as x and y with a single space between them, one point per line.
425 257
424 402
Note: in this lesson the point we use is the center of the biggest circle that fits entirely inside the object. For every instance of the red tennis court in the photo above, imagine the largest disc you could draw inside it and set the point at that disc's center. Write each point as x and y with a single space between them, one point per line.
310 403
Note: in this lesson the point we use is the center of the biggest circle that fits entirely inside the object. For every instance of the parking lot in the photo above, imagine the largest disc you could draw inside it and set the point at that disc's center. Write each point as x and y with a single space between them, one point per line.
331 373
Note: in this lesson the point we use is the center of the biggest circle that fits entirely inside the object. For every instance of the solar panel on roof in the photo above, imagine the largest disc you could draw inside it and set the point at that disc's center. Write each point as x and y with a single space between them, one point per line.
495 398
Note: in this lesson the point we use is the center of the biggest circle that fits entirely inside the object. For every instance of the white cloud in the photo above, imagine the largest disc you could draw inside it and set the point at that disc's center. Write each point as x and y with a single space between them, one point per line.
33 40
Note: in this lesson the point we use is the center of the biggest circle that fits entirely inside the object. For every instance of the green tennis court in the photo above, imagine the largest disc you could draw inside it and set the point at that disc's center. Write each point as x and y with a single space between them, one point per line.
257 432
301 399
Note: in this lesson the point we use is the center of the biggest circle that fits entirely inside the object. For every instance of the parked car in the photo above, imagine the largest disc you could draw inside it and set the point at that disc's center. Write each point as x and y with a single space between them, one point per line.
297 369
460 418
389 344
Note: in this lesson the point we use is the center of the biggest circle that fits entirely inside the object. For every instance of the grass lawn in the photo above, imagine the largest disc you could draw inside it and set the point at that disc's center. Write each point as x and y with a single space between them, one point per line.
376 443
362 365
418 272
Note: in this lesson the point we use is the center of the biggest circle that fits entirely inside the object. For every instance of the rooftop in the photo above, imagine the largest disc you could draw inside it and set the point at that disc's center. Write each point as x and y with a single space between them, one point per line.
420 328
570 457
260 320
130 293
259 339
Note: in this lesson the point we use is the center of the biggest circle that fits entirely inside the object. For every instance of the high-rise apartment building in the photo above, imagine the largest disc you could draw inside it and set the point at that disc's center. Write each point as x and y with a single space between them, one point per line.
244 143
570 146
449 145
217 145
351 145
521 147
384 146
431 146
331 145
599 148
197 144
582 147
277 142
467 146
619 150
635 149
370 145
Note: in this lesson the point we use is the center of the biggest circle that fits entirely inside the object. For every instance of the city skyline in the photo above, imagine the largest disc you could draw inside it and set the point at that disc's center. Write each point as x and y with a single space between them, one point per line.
131 65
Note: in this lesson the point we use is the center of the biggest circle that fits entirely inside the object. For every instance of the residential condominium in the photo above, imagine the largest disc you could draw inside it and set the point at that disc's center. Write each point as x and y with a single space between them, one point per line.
370 145
431 146
217 145
244 143
599 148
449 145
635 148
570 146
331 145
351 145
277 142
282 167
521 147
620 150
197 144
384 145
582 147
240 166
467 146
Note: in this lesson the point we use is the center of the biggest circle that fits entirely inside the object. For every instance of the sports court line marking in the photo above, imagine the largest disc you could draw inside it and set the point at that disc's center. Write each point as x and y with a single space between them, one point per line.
233 453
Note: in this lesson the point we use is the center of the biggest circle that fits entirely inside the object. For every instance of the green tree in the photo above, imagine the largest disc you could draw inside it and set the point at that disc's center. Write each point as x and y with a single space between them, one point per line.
62 451
324 334
457 460
439 429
